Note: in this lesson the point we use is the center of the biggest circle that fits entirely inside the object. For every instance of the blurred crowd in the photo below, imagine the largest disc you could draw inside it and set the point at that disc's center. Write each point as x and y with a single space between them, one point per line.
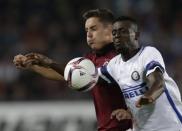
55 28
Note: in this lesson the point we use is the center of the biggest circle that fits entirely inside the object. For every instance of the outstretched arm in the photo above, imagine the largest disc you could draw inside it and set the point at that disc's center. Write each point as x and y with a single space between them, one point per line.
155 82
39 64
47 72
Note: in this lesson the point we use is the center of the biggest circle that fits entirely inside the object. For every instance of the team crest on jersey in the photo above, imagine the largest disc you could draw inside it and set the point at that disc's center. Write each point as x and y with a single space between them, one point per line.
135 76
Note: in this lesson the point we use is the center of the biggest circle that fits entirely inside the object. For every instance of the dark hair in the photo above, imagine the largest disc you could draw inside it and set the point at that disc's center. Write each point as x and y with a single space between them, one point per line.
126 18
104 15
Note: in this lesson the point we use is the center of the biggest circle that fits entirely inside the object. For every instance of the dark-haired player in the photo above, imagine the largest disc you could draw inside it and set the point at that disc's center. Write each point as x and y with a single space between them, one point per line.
98 27
151 95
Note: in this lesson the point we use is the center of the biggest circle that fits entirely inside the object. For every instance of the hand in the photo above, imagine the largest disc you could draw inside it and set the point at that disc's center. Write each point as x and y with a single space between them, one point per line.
37 59
144 100
19 60
121 114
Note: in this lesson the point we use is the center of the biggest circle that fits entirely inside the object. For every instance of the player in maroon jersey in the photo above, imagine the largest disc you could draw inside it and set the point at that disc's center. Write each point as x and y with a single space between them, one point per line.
98 26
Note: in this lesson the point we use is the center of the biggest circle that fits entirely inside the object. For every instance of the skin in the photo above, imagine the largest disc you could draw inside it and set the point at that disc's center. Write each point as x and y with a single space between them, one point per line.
125 37
98 34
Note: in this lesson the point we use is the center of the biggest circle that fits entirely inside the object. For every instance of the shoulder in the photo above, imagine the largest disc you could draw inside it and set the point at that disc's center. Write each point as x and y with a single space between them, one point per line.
150 50
115 59
89 55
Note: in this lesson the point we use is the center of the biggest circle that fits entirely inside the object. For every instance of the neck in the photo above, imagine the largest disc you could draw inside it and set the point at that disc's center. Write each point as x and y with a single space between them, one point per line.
127 54
105 49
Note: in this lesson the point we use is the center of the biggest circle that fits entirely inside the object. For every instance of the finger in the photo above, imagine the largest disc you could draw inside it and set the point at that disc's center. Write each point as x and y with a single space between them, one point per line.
30 62
19 66
33 55
122 115
30 55
113 114
127 115
138 104
119 116
16 62
143 101
19 59
30 59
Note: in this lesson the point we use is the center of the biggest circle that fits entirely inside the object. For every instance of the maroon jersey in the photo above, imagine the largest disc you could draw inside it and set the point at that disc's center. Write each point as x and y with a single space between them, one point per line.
107 97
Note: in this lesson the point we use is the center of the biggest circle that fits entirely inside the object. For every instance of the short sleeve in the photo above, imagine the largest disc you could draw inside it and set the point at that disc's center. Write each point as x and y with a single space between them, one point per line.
152 60
106 72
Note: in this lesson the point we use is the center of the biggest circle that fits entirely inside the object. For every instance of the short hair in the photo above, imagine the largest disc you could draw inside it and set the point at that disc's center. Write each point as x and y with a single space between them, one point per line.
104 15
127 18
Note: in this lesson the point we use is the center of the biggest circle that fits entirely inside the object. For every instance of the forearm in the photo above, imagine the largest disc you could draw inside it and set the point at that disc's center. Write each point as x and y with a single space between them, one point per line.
57 67
156 86
47 72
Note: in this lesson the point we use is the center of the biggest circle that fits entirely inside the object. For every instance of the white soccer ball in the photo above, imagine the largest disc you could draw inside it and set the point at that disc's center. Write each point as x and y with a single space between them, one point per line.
81 74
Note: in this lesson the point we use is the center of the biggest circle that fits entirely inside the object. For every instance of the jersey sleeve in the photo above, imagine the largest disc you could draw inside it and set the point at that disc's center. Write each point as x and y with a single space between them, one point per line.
106 72
152 60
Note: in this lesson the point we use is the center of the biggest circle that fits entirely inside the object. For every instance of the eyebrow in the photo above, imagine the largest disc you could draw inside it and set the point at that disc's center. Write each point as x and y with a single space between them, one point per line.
91 27
119 28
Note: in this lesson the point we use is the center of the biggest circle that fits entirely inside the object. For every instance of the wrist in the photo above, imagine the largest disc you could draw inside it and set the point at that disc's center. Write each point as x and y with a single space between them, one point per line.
150 98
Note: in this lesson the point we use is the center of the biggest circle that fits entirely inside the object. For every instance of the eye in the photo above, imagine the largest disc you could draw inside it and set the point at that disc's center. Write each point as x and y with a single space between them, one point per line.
123 31
94 29
114 32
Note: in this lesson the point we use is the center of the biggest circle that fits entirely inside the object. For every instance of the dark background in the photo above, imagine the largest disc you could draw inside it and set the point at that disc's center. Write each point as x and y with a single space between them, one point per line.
56 29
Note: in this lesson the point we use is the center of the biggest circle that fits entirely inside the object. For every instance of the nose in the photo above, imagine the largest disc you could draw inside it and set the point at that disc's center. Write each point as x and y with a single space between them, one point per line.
89 34
116 33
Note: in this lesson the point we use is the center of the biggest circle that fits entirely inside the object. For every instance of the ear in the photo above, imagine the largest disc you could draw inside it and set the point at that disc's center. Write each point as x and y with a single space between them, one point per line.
137 35
108 34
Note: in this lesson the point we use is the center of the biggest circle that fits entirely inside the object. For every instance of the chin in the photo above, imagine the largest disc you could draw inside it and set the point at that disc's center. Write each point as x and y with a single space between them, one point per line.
120 50
95 47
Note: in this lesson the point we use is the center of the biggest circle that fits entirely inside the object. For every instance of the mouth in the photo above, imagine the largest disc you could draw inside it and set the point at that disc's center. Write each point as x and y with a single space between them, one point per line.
117 41
90 42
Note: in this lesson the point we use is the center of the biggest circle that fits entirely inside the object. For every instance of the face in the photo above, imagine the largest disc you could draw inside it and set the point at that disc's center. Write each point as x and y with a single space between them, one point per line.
125 36
98 34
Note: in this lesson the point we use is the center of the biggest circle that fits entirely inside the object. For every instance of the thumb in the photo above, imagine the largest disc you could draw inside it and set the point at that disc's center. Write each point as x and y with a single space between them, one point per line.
113 114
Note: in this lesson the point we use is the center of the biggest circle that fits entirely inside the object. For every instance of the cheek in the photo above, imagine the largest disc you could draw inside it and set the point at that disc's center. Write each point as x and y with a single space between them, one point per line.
132 37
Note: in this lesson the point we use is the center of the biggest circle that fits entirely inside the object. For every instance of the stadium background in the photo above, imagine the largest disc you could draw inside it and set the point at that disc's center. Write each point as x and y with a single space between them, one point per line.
55 28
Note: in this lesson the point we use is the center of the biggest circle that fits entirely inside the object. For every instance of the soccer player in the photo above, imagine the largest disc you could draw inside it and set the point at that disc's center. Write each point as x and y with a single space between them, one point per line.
152 97
98 27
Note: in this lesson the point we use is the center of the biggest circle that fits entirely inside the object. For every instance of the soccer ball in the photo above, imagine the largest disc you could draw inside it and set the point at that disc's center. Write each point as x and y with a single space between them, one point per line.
81 74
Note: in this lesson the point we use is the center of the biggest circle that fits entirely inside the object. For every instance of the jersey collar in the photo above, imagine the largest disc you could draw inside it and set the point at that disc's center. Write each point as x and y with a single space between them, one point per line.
105 49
